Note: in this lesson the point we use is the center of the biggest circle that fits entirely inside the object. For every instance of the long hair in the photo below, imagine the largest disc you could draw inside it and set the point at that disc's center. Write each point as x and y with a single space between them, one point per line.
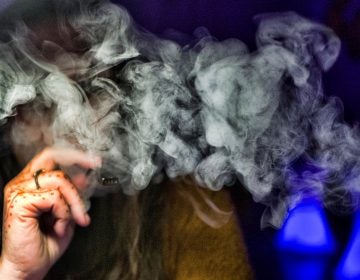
124 240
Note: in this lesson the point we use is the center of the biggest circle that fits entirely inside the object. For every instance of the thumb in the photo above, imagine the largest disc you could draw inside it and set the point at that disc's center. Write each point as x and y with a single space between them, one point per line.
58 243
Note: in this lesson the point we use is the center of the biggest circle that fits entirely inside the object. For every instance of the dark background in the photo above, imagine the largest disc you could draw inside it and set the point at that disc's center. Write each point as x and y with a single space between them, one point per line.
234 18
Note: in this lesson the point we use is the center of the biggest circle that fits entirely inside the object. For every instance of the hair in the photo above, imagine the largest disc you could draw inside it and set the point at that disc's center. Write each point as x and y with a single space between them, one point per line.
124 240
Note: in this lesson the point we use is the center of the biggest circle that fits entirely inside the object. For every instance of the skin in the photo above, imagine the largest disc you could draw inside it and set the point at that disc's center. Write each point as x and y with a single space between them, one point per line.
38 224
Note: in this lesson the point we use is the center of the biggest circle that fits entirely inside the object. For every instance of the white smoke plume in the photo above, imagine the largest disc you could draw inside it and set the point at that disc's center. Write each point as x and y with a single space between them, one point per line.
211 110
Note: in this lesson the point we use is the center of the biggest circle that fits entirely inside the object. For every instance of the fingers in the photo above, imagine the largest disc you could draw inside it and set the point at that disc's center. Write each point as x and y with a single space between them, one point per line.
56 193
49 158
80 180
59 181
38 222
58 245
28 207
61 213
37 225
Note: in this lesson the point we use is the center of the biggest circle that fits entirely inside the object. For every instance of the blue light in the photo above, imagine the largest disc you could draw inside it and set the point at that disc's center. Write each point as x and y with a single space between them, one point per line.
306 230
305 243
300 267
349 266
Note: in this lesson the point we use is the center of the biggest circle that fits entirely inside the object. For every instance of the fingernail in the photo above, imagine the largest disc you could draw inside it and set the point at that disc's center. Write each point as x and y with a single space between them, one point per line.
87 218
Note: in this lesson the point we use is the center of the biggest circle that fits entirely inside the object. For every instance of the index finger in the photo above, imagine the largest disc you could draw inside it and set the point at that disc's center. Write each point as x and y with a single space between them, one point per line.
49 158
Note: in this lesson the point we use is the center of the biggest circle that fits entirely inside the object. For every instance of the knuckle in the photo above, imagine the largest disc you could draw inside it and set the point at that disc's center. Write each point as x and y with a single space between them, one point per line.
63 183
58 173
59 196
57 177
10 188
54 193
61 174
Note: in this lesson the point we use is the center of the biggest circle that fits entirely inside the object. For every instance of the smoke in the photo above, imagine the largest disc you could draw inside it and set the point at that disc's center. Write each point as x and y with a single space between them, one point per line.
211 110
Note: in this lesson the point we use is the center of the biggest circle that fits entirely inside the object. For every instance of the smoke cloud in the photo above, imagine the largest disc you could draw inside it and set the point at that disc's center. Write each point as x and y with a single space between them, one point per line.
211 110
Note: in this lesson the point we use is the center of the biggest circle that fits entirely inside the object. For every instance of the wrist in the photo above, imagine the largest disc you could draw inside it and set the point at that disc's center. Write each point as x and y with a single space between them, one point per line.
11 271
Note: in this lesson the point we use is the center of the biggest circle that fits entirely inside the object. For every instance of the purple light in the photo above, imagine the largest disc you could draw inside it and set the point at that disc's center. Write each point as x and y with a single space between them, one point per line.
349 266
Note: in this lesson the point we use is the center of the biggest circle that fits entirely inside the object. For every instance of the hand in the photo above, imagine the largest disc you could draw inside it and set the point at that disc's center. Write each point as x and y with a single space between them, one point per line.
38 224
